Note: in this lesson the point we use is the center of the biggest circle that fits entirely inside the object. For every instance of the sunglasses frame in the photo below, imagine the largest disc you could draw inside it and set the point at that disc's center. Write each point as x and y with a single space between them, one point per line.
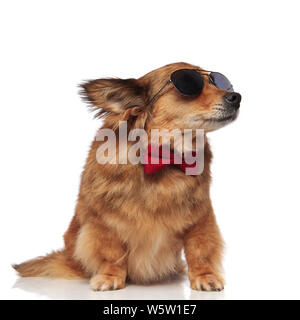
207 73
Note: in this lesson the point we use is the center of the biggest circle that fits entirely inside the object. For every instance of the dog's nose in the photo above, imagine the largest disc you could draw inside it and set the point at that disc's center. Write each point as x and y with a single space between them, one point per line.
233 99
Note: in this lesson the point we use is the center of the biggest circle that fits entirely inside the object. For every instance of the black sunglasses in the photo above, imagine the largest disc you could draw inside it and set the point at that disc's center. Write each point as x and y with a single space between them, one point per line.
190 82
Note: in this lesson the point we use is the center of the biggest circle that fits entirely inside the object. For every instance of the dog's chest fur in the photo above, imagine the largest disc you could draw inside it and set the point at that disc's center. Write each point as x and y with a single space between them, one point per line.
153 252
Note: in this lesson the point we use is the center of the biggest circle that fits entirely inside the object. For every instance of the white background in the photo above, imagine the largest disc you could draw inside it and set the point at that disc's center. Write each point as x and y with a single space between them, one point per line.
49 47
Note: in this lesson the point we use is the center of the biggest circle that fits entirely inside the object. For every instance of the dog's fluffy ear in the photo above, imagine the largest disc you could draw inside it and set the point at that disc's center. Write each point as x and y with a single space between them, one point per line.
113 96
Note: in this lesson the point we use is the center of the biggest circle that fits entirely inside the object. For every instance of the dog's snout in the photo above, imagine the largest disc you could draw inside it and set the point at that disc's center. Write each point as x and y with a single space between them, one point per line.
233 99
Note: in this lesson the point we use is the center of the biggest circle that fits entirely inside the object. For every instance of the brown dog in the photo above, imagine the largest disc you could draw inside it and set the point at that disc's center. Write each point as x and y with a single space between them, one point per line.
129 225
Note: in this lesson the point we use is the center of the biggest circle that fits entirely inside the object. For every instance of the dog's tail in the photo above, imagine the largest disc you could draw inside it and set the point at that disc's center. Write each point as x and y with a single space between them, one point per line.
54 265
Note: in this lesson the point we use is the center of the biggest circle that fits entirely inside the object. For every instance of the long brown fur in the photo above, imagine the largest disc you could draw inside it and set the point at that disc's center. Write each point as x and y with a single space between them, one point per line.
128 225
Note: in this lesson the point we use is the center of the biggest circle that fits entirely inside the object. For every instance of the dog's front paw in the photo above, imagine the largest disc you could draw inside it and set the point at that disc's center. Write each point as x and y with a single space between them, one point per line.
102 282
207 282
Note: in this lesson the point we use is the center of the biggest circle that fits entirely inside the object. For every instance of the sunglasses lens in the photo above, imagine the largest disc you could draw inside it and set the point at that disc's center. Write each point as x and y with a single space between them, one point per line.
220 81
187 81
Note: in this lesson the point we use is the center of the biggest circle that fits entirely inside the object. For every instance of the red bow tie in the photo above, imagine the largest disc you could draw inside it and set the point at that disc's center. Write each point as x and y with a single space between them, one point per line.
153 161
